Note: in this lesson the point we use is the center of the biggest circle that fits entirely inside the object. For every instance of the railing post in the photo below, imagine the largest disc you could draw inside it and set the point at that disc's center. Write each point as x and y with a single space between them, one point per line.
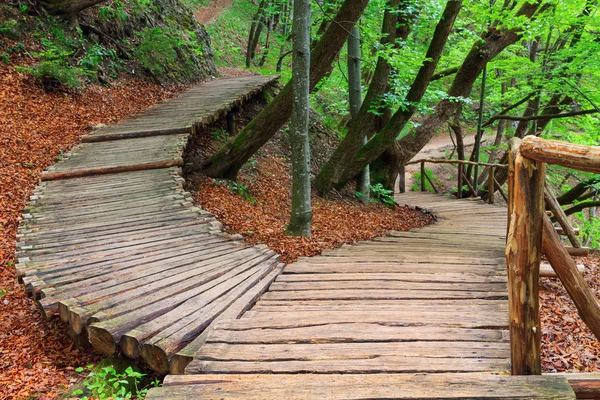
422 176
491 185
402 179
460 181
523 253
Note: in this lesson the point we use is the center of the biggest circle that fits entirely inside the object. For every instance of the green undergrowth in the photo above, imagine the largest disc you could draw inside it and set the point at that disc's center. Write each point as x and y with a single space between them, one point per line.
155 39
417 181
229 35
113 378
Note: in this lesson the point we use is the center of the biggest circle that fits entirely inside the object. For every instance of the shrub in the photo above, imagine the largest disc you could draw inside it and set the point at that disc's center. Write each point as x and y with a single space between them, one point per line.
382 195
156 50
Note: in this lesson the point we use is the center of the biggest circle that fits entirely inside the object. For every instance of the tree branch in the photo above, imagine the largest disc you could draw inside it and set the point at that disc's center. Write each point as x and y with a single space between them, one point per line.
507 109
582 206
549 116
444 73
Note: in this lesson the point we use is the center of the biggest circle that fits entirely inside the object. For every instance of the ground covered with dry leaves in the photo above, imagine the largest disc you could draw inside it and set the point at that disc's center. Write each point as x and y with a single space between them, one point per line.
567 344
37 358
262 218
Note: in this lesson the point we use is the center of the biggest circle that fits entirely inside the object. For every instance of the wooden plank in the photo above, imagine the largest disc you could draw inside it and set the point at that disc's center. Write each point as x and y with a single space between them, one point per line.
159 350
280 320
106 334
351 351
180 360
381 364
354 386
228 332
50 176
373 294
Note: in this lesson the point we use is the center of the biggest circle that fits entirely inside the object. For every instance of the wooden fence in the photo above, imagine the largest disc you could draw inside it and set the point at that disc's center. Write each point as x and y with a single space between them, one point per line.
492 183
530 232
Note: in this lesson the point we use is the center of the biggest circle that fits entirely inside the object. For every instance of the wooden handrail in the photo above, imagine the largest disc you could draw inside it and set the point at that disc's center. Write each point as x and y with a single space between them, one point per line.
530 230
576 156
491 183
444 161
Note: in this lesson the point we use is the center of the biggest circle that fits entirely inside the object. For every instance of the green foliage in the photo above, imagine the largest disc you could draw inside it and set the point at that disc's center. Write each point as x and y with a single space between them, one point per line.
590 230
2 292
116 10
7 26
380 194
220 134
417 181
95 55
238 188
156 50
107 383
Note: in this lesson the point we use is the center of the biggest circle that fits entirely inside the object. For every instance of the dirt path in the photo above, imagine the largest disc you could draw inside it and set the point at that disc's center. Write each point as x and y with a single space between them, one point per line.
437 148
206 14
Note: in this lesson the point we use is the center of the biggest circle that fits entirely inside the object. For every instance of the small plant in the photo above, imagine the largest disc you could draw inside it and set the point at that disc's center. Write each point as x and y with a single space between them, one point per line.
219 134
107 383
238 188
380 194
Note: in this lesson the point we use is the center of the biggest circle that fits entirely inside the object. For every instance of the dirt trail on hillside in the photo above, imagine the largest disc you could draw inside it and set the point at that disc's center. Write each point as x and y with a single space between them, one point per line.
206 14
436 148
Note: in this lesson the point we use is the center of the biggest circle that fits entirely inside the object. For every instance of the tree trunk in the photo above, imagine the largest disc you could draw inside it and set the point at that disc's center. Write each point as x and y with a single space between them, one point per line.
363 184
384 138
253 28
267 41
484 50
68 8
577 191
385 169
226 162
285 30
363 123
301 209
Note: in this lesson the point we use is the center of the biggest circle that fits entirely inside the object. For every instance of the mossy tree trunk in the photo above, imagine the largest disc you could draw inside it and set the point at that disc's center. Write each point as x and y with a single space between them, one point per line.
363 124
386 136
301 208
228 160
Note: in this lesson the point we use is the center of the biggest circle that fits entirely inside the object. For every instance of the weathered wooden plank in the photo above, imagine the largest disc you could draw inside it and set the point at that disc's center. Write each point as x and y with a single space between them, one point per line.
371 386
373 294
180 360
371 365
281 320
350 351
226 332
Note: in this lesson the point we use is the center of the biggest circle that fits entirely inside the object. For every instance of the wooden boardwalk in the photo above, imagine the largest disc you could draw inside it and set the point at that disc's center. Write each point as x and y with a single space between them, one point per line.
125 258
112 244
415 315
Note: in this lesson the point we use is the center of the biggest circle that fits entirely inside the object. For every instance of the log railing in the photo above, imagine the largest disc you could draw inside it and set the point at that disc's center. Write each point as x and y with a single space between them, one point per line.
493 184
530 233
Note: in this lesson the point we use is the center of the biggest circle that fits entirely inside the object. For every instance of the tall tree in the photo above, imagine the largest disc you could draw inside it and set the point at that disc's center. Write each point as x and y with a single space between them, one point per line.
386 136
355 99
363 124
494 41
301 209
228 160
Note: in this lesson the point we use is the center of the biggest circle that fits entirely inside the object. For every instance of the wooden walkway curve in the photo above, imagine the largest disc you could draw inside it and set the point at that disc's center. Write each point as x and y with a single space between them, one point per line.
415 315
112 244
